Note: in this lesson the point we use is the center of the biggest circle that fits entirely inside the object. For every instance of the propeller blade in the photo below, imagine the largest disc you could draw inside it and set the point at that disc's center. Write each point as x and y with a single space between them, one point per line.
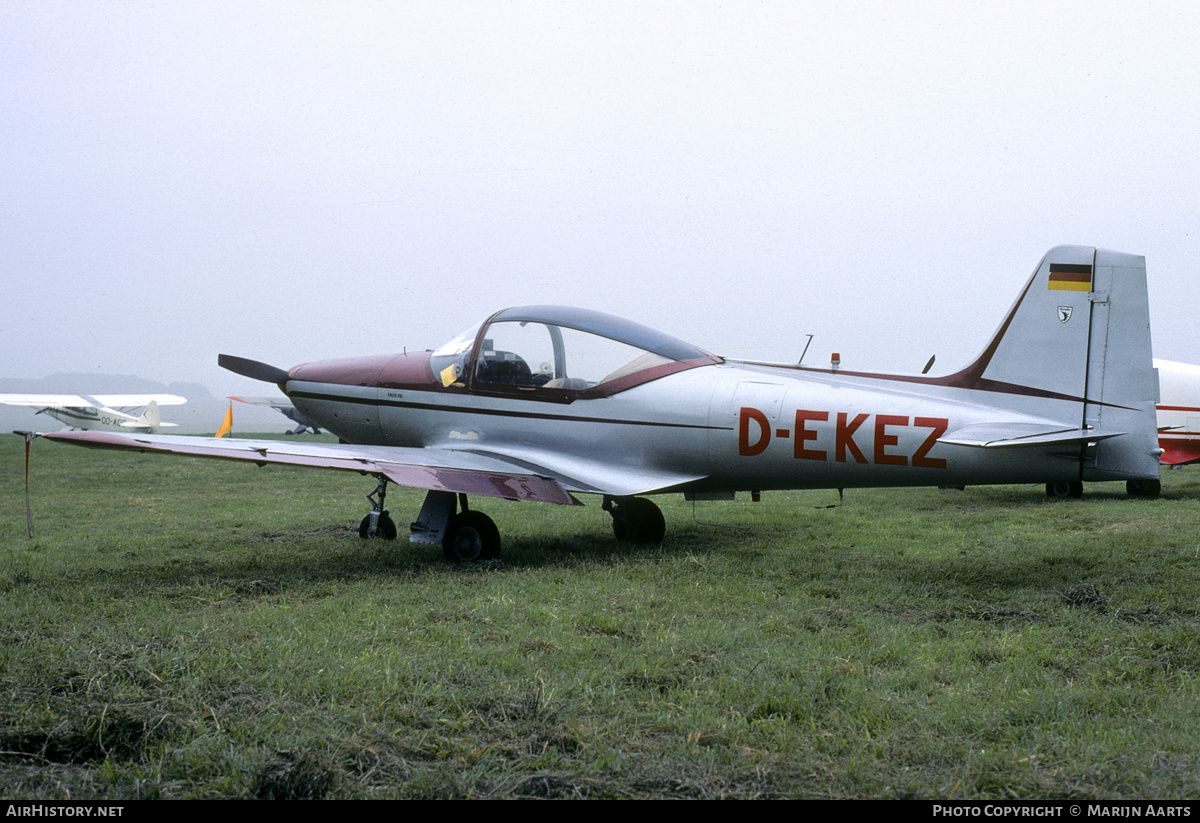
252 369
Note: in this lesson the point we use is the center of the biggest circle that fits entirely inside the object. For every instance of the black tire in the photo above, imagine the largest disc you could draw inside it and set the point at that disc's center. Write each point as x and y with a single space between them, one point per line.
385 530
1143 488
638 520
1064 489
471 536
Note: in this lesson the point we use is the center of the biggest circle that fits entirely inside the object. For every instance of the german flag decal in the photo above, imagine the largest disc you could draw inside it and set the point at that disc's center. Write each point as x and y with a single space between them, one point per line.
1070 277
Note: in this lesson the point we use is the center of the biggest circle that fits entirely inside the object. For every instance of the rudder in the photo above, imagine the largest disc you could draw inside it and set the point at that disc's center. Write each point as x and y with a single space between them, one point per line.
1122 385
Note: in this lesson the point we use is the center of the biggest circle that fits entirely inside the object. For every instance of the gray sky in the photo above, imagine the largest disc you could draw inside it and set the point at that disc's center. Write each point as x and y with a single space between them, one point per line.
291 181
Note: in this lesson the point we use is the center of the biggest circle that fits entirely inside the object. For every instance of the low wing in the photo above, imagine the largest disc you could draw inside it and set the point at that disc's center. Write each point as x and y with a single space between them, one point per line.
437 469
1017 435
528 475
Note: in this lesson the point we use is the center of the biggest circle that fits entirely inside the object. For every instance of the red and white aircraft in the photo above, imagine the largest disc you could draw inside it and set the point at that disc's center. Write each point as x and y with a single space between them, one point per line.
549 403
1179 412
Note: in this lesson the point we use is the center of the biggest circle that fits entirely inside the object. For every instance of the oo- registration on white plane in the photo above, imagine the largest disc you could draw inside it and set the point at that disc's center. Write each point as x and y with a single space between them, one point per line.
547 403
101 412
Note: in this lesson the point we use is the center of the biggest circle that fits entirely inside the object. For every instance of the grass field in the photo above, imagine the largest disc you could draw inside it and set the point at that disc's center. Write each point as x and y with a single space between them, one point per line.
198 629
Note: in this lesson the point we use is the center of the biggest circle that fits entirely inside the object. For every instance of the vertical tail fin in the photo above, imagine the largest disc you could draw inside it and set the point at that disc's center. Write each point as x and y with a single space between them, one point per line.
1080 331
151 416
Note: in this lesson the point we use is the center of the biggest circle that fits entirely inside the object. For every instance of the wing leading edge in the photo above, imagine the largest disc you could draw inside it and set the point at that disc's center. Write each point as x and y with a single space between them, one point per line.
433 469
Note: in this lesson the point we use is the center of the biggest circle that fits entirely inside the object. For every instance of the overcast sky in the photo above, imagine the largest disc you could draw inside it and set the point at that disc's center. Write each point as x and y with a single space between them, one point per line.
291 181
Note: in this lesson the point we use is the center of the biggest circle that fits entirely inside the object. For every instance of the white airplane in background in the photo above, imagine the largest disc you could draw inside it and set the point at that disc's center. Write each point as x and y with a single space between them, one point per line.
547 402
101 412
1178 412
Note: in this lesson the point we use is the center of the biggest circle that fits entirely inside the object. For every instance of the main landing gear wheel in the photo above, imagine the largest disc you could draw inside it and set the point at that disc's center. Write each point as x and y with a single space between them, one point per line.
636 519
1063 489
1143 488
471 536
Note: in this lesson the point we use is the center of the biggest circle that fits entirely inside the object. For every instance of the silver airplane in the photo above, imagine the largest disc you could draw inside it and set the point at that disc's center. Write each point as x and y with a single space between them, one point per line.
549 403
285 408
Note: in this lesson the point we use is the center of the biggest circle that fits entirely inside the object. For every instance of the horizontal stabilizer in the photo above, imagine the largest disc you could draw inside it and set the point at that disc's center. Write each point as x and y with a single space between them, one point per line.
1017 435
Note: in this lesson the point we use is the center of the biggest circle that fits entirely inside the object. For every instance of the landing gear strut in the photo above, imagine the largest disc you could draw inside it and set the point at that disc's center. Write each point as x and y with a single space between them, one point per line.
378 524
635 519
464 535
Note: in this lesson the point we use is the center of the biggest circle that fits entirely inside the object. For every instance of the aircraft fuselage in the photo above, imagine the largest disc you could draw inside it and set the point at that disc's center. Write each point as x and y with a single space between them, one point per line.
722 426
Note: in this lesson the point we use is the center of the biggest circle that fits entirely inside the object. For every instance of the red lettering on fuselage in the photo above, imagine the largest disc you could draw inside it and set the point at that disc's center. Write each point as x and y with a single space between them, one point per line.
806 435
921 456
803 435
745 447
845 437
883 440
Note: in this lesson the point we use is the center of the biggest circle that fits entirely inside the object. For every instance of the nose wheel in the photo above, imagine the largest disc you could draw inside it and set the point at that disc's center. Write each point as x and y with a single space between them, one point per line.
384 527
378 524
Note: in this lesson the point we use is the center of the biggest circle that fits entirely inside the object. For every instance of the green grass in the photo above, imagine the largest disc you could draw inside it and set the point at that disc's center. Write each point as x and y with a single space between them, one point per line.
191 628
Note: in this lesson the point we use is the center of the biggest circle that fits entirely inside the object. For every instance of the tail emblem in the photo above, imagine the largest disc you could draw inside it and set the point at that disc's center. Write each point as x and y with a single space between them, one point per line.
1064 313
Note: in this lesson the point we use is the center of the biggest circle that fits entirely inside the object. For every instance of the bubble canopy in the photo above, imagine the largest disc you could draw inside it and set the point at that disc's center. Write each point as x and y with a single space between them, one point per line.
560 349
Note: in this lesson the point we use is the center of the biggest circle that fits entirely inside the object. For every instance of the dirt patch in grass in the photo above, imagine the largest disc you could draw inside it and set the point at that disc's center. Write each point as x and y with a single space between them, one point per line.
296 775
1085 596
91 734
